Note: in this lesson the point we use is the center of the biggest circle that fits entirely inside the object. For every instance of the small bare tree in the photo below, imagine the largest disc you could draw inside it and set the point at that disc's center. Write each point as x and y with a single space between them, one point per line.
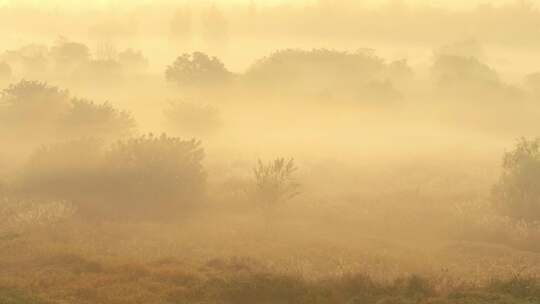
275 182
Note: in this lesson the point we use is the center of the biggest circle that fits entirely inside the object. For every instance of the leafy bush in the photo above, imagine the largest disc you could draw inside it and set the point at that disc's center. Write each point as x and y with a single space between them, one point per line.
133 60
88 119
517 193
322 71
34 110
155 174
68 55
30 109
63 171
145 177
274 181
197 69
451 69
193 119
31 61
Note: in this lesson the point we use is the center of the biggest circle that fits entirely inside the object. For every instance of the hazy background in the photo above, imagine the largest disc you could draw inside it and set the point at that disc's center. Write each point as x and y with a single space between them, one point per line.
293 151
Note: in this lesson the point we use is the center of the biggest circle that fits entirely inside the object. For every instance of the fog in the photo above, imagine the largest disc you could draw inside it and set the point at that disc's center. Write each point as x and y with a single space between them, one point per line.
269 152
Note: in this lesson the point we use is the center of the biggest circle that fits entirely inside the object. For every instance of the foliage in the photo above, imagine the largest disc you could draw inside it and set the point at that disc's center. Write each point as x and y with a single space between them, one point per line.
453 70
63 171
320 71
88 119
31 60
37 110
197 69
517 193
31 108
133 60
68 55
156 171
147 176
275 182
30 98
288 67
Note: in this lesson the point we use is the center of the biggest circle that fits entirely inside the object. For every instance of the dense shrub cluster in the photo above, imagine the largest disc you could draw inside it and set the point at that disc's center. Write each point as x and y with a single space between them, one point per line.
197 69
517 194
87 119
148 176
32 110
321 70
74 61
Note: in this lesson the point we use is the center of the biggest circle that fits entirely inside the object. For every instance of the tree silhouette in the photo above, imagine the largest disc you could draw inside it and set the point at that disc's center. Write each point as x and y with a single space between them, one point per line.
274 182
517 194
88 119
197 69
68 55
31 108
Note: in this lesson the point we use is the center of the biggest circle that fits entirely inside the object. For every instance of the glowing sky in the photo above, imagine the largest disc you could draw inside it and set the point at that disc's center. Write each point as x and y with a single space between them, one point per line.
117 3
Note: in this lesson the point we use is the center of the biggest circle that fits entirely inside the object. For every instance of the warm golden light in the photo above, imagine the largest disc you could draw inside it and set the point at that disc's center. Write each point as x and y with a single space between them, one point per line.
269 152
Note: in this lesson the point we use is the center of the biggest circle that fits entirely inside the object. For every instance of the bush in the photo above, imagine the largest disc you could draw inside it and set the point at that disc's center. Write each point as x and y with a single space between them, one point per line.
197 69
290 67
328 72
451 71
31 108
34 110
69 55
88 119
274 181
63 171
145 177
517 193
155 174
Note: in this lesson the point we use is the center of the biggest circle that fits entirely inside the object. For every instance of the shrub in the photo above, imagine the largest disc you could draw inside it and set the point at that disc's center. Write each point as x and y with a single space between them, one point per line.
144 177
63 171
31 108
133 60
274 181
328 72
154 176
197 69
517 193
453 71
68 55
88 119
34 110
